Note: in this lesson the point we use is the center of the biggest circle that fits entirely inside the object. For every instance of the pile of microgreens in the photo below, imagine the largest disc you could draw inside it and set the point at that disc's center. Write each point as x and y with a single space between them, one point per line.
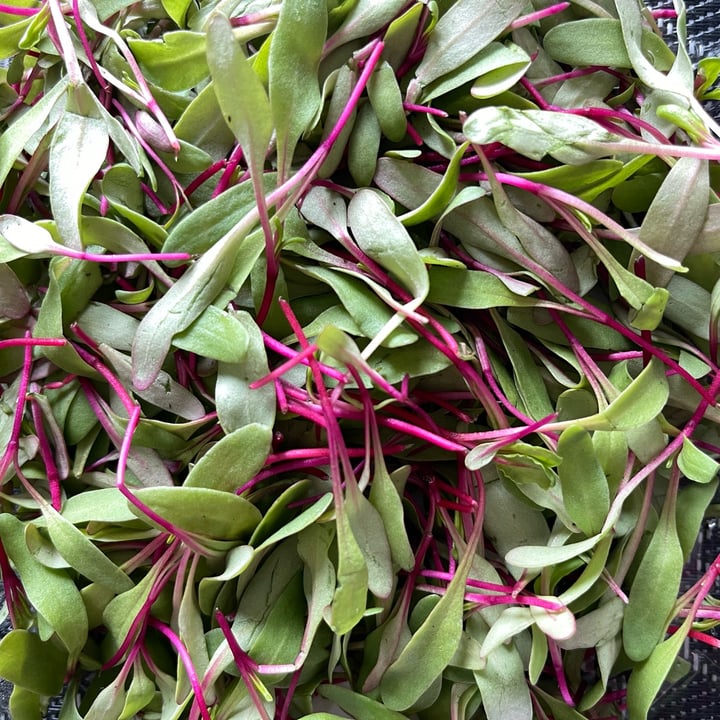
357 357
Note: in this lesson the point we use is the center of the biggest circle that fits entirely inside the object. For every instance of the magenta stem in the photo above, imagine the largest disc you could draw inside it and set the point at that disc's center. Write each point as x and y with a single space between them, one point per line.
204 176
32 342
23 11
10 453
233 161
130 257
184 656
80 29
534 17
300 358
244 664
556 657
281 349
412 107
48 459
664 14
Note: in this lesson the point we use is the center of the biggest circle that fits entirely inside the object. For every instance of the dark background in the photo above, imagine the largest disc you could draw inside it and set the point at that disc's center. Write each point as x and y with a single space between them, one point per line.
695 697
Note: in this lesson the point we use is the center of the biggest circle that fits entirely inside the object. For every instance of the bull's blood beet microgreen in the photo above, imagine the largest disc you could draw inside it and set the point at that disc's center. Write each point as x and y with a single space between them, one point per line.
356 357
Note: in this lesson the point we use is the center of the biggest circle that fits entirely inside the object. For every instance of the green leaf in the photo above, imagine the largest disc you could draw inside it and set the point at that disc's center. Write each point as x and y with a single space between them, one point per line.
363 146
654 589
383 238
237 404
571 139
232 461
401 34
647 678
689 305
14 302
387 501
433 645
139 695
511 522
349 600
441 196
295 49
428 652
106 505
244 102
203 511
462 32
361 706
18 134
318 577
530 385
175 62
474 289
191 629
11 35
203 125
494 69
32 664
208 224
293 524
52 593
365 18
82 555
164 392
536 240
504 66
237 561
235 253
369 532
344 82
262 591
365 308
599 41
215 334
535 557
675 218
77 151
110 701
386 100
626 412
695 464
502 685
176 9
21 238
598 626
584 485
24 704
577 179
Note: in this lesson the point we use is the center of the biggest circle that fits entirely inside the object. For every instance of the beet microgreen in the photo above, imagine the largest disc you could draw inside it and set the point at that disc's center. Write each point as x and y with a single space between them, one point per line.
361 352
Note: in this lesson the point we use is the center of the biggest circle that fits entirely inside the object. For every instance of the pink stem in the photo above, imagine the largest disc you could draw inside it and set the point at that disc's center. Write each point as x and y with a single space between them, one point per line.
32 342
80 29
46 454
300 358
10 453
534 17
23 11
244 664
184 656
412 107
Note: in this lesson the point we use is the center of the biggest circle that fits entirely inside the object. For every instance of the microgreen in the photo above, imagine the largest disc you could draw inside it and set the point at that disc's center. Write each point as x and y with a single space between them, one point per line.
353 352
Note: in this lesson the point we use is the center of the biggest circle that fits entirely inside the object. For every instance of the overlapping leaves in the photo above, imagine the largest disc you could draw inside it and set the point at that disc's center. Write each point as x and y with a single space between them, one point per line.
363 351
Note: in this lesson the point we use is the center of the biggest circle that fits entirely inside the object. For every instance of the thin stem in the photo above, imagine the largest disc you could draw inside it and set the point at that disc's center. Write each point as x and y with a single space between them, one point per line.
184 656
538 15
67 50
